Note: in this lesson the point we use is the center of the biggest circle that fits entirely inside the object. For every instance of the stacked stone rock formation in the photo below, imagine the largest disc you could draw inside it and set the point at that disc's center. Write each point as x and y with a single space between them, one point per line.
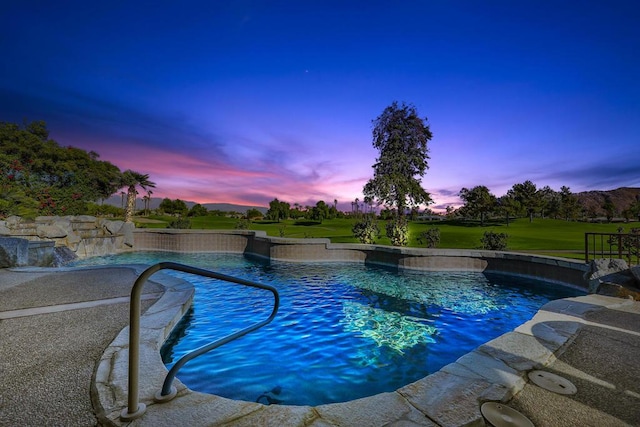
83 235
613 277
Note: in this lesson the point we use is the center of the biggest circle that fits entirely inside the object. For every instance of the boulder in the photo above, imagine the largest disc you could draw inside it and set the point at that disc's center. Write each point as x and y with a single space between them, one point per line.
127 231
64 224
618 291
51 232
605 266
607 274
13 221
4 230
84 223
85 218
113 227
72 240
46 219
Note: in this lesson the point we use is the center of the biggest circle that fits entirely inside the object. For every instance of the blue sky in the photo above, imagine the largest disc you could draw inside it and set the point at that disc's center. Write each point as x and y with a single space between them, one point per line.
246 101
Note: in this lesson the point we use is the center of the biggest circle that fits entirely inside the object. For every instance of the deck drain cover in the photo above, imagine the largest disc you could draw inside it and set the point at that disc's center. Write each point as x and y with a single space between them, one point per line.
500 415
552 382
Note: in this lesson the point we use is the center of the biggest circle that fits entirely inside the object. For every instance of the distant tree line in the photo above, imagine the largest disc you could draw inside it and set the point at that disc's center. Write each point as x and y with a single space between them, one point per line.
279 210
179 208
525 199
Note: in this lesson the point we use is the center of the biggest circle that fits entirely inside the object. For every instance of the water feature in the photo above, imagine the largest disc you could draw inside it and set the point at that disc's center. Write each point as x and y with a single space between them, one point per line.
344 331
62 255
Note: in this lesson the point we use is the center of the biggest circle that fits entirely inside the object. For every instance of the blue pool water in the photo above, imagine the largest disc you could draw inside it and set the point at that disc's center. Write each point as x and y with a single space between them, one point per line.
343 331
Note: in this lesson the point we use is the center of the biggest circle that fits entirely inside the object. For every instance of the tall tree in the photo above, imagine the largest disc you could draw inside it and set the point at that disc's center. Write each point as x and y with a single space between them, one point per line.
197 210
526 194
174 207
545 200
320 211
569 204
478 201
131 180
609 208
635 207
401 138
508 205
553 204
278 210
147 209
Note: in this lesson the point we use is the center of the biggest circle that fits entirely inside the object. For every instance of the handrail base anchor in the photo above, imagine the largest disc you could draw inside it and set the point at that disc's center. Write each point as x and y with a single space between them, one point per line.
125 415
160 398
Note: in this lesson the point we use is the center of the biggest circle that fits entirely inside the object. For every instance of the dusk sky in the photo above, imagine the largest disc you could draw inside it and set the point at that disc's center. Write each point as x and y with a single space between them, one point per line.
245 101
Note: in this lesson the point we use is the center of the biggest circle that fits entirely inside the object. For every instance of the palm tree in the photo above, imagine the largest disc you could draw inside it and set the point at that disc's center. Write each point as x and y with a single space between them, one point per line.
149 193
131 180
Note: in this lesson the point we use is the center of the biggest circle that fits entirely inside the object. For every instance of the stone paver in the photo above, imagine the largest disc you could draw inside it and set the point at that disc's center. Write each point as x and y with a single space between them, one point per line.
602 362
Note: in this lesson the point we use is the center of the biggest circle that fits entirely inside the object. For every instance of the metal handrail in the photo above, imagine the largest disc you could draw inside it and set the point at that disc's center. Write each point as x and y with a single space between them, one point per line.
612 245
136 409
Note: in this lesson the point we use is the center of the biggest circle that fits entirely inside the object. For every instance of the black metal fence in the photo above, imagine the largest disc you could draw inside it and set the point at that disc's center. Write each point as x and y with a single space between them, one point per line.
612 245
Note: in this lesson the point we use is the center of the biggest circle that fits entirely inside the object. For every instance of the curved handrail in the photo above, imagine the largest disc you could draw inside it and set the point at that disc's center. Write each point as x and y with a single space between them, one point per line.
135 409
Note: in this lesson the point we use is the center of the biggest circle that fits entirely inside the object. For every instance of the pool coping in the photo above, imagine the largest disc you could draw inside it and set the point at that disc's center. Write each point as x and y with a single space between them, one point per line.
494 371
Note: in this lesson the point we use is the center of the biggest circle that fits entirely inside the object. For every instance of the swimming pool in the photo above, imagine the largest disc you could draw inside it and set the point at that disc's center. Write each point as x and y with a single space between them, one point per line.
344 331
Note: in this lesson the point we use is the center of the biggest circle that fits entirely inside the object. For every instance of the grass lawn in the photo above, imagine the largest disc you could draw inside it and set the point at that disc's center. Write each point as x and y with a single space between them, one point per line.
543 236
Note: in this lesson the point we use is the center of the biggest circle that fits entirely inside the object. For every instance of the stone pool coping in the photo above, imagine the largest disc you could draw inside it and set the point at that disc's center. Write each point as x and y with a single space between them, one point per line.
495 371
257 243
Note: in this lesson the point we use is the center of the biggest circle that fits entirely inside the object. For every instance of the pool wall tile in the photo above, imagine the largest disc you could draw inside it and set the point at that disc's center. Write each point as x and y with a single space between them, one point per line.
257 243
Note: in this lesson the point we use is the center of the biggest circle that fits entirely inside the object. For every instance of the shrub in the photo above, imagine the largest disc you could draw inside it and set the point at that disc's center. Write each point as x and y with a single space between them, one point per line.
243 224
197 210
494 241
281 230
366 230
628 244
104 210
430 237
398 231
180 223
254 214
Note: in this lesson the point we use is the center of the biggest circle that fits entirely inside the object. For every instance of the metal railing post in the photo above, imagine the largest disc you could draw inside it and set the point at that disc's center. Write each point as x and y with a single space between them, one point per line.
586 248
136 409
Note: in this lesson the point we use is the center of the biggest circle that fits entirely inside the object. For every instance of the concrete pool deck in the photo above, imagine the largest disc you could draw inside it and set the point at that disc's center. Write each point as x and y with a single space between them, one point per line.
64 352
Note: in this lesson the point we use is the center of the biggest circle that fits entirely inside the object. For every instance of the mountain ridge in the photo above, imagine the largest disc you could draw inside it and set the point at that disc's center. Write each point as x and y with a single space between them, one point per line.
622 198
154 203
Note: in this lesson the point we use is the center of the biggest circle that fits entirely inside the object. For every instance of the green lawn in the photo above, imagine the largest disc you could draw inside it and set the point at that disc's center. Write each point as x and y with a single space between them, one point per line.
544 236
